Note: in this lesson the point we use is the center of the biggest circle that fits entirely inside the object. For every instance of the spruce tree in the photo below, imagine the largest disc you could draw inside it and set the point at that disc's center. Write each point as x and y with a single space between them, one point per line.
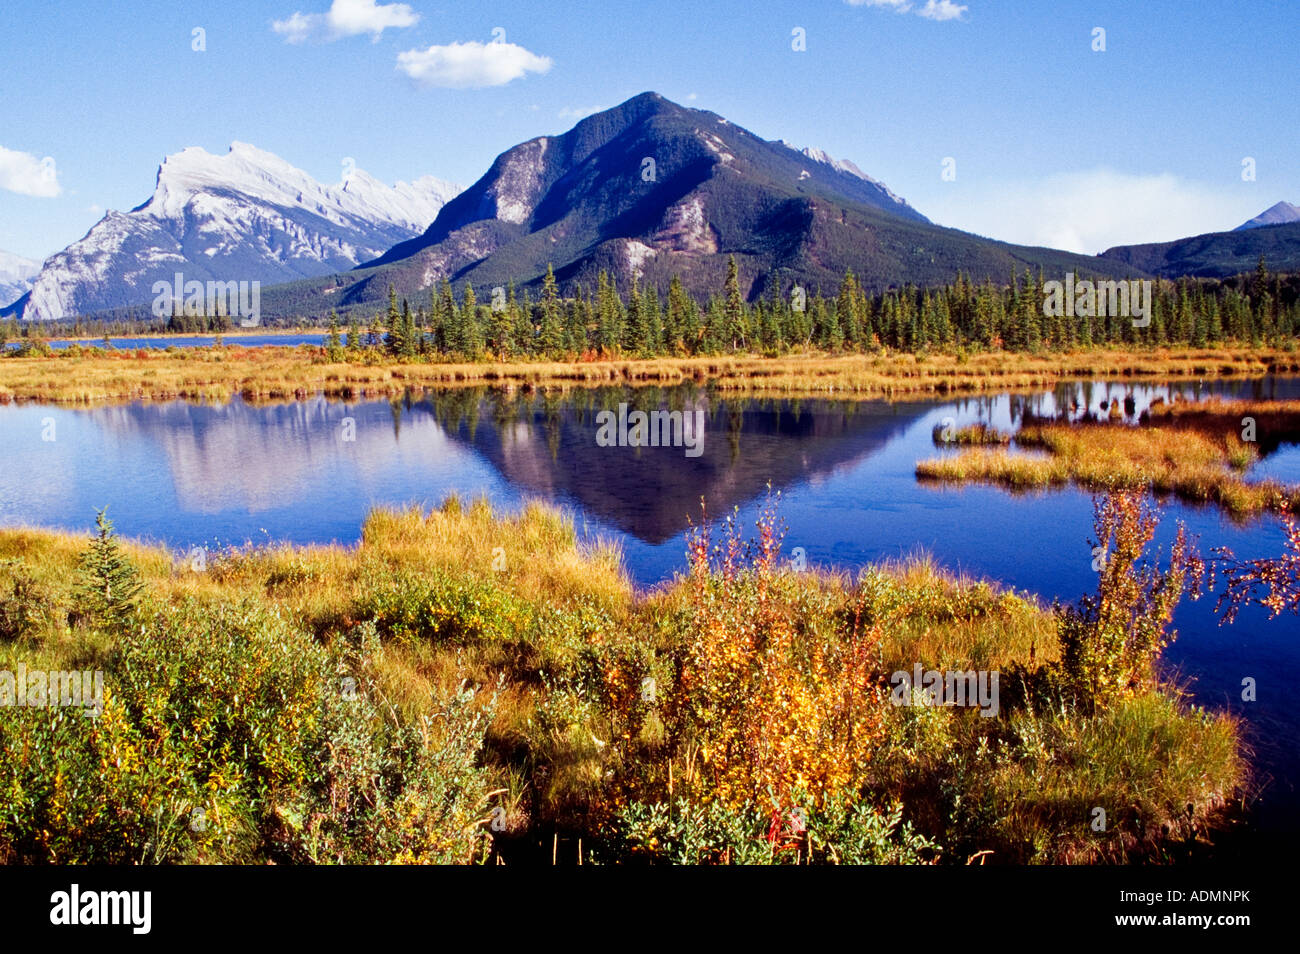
675 323
733 332
552 332
450 317
525 334
471 328
634 337
393 324
334 344
503 319
408 343
107 582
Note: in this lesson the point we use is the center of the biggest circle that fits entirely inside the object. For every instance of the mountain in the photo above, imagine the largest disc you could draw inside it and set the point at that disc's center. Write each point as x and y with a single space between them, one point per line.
245 216
549 452
16 273
1216 254
1280 214
844 165
650 189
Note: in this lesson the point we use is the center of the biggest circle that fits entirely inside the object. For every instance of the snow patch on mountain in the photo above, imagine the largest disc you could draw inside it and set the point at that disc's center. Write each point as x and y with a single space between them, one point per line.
846 166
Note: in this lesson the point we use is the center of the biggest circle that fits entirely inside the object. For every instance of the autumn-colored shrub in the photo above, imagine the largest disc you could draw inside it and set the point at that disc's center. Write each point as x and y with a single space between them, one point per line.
1110 642
1270 582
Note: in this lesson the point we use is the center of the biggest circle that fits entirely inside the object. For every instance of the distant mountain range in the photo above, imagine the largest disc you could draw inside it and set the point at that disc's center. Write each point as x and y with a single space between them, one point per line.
16 275
1216 254
644 191
244 216
1274 234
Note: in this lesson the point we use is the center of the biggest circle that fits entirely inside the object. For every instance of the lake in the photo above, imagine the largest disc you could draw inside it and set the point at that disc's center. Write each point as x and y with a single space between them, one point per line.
191 341
219 475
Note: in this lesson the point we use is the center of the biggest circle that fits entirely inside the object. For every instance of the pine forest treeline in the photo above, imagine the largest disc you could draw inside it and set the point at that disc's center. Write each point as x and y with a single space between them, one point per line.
1257 308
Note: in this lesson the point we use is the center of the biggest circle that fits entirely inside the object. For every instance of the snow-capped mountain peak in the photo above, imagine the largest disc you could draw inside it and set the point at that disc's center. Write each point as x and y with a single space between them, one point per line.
15 267
1280 213
16 274
245 215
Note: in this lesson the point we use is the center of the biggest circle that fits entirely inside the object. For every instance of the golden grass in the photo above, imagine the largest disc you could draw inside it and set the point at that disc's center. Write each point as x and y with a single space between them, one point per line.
1193 453
283 373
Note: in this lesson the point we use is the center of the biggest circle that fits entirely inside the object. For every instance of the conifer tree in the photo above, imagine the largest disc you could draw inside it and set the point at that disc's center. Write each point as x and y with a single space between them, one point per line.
108 584
551 334
634 338
503 327
449 317
675 320
733 329
846 309
524 334
407 343
333 344
652 322
393 324
471 328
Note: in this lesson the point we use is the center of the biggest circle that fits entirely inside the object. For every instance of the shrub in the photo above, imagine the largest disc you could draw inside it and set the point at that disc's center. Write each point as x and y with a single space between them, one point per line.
25 604
441 608
390 790
229 735
843 831
1110 642
766 704
1270 582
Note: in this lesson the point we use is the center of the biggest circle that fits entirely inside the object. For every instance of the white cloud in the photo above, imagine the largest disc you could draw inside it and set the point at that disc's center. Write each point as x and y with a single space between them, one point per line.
470 65
346 18
900 6
578 112
1091 211
933 9
942 10
693 97
23 173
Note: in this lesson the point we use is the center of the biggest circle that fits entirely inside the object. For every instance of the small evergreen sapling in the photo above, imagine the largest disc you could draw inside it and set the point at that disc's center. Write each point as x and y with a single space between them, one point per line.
108 583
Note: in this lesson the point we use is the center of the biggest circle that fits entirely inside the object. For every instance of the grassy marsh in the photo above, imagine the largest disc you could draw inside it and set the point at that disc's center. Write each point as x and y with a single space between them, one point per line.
91 375
500 711
1193 451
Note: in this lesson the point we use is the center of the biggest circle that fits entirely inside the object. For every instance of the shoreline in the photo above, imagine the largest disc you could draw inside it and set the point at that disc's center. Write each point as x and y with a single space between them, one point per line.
274 373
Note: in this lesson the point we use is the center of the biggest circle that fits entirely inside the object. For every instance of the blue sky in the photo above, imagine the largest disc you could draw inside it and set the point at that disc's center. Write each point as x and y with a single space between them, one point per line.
1053 142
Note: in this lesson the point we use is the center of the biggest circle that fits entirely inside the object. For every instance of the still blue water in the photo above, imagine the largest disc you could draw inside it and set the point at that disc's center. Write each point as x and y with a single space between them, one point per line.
189 341
217 475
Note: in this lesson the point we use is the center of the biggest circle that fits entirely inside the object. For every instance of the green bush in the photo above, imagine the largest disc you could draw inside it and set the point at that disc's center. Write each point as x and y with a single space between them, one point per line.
25 604
229 735
844 831
440 608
